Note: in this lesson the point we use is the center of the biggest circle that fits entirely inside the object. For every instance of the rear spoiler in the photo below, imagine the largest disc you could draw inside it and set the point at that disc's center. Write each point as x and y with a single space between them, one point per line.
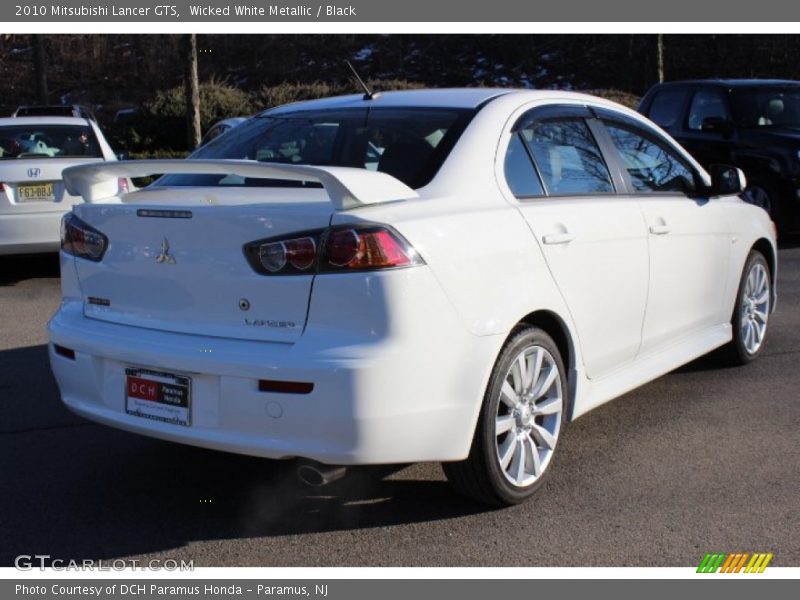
347 187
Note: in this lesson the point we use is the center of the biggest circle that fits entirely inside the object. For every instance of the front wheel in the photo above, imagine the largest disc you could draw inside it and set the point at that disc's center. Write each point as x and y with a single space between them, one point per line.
519 424
751 312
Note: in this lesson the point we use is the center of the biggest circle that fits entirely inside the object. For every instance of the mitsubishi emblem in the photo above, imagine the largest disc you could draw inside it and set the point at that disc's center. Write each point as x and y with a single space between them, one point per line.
34 172
165 257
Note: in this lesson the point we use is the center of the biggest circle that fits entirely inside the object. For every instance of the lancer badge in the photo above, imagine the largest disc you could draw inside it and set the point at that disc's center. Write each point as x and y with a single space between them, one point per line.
165 257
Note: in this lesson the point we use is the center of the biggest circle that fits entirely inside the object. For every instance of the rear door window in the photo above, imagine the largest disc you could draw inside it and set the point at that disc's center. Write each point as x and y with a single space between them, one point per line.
567 156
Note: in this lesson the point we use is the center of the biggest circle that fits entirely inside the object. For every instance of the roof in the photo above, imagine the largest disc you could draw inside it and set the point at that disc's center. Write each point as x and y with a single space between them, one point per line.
733 83
432 98
48 120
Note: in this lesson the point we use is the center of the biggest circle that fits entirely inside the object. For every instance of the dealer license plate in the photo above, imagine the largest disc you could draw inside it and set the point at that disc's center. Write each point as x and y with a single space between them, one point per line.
36 192
156 395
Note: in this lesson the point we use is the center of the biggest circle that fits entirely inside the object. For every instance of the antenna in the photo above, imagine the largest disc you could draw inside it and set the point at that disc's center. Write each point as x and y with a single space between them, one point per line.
368 94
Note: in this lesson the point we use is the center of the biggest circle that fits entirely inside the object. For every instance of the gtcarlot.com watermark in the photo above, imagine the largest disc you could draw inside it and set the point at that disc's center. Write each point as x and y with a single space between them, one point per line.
29 562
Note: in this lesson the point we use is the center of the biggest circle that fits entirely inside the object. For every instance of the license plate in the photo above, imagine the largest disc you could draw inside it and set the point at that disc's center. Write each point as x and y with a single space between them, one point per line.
160 396
36 192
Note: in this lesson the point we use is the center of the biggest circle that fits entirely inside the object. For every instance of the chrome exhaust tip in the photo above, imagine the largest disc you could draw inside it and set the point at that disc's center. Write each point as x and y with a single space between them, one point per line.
318 475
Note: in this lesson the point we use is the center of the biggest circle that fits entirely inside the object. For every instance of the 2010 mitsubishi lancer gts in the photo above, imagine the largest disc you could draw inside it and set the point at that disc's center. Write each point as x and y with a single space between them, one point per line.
442 275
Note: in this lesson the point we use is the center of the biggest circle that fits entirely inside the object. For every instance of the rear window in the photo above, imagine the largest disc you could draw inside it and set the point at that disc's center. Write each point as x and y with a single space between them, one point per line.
409 144
666 107
48 141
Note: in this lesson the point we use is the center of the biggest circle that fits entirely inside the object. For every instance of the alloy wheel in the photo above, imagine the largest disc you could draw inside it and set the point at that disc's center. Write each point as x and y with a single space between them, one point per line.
528 419
755 308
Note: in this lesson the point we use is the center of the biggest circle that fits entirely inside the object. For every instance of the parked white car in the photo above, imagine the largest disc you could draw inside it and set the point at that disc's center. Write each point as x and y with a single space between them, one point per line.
33 153
445 275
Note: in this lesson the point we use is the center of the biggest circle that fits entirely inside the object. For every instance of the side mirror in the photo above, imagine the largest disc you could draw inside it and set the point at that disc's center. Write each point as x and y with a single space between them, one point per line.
726 180
717 125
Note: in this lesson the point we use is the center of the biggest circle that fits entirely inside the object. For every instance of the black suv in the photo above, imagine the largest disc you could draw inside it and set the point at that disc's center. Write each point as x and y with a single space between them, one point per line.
753 124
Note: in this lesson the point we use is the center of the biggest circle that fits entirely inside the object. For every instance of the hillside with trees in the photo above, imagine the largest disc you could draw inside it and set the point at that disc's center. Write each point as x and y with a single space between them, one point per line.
241 74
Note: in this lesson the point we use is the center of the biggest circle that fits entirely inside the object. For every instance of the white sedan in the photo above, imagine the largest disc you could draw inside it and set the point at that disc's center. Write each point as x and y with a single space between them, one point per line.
33 153
443 275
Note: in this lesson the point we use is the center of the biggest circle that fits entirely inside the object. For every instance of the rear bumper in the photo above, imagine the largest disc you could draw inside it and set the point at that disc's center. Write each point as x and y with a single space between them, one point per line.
30 233
392 401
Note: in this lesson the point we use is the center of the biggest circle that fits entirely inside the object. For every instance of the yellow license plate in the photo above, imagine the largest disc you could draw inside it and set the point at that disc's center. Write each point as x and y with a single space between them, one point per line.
38 191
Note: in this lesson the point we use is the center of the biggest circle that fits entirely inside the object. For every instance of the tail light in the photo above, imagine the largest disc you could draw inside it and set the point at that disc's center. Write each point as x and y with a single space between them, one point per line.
335 250
81 239
2 186
122 186
367 248
297 254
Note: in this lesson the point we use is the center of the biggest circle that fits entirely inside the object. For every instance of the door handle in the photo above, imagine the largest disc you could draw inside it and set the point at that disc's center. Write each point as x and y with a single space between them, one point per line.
660 229
558 238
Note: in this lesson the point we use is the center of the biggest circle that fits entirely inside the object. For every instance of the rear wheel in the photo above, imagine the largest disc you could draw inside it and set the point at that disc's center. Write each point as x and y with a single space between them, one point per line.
519 425
751 312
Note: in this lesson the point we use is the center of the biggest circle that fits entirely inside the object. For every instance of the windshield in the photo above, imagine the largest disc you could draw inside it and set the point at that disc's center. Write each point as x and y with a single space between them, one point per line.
409 144
48 141
767 106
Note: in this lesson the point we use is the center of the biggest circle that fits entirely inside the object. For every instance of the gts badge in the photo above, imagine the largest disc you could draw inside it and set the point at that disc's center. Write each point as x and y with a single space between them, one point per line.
270 323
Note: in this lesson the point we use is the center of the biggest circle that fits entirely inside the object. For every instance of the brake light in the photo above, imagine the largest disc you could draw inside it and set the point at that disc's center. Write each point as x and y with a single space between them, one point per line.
2 186
367 249
338 249
122 186
81 239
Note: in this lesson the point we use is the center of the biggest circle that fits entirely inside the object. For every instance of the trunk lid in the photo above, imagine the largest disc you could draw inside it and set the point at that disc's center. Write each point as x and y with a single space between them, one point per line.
189 274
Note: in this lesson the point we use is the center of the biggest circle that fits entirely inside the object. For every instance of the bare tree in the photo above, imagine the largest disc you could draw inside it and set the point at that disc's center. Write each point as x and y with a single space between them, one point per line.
660 58
40 68
192 91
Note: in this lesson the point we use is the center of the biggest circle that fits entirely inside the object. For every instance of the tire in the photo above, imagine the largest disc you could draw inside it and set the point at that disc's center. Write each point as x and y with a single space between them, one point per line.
751 312
506 468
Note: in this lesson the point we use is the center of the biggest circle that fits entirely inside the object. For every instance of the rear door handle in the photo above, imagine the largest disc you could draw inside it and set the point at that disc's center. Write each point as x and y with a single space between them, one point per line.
558 238
661 229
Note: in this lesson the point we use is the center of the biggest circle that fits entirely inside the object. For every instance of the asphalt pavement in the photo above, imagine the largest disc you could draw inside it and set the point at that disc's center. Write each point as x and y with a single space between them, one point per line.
704 459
